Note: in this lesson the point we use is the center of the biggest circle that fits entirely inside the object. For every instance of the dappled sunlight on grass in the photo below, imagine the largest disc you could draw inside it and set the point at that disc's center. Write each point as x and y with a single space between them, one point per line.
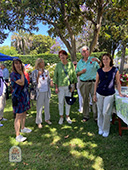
13 141
55 140
66 127
47 135
55 137
84 153
90 134
98 163
62 147
76 142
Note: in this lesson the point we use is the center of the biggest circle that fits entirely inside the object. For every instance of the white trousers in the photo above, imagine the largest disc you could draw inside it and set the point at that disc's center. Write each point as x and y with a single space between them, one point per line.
2 104
80 100
63 91
42 100
104 106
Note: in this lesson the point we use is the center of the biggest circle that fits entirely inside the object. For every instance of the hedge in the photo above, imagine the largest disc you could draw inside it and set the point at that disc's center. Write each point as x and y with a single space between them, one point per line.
48 58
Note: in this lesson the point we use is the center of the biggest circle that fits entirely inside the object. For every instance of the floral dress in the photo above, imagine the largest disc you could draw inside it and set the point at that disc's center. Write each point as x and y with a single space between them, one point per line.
21 92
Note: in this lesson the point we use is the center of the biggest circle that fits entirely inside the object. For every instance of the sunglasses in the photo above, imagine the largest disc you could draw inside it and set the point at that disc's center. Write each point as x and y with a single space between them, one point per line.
16 59
85 50
75 64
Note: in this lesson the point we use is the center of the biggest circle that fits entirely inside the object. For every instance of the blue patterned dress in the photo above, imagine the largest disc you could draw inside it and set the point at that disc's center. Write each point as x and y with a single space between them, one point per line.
21 92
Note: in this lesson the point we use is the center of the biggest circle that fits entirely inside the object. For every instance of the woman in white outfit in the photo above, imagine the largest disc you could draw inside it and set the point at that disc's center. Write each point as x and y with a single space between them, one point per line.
104 91
43 92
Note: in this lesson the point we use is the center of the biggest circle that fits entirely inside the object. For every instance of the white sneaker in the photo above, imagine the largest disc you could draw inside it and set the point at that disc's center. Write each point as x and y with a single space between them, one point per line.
105 134
26 130
100 132
61 120
3 119
68 120
1 125
20 138
80 110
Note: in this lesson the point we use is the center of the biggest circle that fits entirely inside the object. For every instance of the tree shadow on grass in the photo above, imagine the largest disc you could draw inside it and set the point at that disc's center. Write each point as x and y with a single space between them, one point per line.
64 147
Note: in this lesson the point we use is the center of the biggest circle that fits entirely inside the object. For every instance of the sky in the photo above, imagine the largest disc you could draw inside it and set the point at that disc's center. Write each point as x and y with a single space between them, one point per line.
42 30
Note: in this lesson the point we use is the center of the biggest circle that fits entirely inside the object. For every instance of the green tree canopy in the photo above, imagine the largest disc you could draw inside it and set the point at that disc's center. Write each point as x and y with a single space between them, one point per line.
11 51
42 44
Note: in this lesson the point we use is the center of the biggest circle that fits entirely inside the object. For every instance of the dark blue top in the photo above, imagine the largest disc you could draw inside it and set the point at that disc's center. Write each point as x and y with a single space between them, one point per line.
21 92
106 85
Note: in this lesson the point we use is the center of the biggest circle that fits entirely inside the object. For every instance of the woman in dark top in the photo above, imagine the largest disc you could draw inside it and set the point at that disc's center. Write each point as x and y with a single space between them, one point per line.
21 103
104 91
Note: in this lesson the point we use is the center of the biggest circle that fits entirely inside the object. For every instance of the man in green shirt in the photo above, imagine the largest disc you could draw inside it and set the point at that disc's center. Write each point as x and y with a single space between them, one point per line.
86 70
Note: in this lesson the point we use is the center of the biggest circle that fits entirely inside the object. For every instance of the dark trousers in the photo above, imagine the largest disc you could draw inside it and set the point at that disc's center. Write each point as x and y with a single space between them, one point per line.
7 92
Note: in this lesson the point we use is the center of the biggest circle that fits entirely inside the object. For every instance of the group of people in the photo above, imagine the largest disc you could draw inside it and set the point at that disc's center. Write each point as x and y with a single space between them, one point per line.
94 78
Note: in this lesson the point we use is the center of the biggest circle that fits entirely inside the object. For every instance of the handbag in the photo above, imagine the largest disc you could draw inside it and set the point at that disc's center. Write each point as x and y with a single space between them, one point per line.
33 94
70 100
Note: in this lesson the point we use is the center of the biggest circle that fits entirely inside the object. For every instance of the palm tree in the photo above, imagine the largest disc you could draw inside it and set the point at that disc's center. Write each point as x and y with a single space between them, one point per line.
22 41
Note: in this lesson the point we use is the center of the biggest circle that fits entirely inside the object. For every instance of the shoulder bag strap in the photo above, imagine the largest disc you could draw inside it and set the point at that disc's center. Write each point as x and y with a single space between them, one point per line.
66 73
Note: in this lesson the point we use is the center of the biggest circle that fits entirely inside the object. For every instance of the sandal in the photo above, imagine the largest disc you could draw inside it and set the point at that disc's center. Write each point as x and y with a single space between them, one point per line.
48 122
85 119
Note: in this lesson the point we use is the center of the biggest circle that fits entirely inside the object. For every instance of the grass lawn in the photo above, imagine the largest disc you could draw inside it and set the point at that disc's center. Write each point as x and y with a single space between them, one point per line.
63 147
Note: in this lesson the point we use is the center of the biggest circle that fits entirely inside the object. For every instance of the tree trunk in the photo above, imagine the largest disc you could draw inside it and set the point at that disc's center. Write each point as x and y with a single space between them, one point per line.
122 59
73 54
70 46
114 47
97 26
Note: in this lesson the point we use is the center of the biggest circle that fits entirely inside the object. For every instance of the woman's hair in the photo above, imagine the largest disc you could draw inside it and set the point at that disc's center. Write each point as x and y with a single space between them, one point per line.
108 55
13 66
62 52
38 61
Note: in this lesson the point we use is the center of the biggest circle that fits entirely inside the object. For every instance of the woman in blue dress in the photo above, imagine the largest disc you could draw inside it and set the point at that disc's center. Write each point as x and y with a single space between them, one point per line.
20 98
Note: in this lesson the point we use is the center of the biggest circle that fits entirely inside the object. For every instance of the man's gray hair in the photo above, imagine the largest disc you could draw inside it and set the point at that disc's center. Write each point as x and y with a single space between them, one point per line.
2 64
84 47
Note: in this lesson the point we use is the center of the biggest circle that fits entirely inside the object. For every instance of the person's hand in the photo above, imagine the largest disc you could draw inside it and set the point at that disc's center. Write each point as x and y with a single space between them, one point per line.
94 59
84 70
56 90
94 98
72 88
20 71
51 83
122 95
39 73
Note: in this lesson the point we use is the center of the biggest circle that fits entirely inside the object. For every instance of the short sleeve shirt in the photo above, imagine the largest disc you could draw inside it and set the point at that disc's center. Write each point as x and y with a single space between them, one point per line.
91 69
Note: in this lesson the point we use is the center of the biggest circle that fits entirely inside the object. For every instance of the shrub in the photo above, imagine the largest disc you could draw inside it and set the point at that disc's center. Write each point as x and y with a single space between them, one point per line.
48 58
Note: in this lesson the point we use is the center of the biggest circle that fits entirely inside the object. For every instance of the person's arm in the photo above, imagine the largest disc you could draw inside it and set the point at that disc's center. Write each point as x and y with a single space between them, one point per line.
95 87
81 72
22 80
96 59
118 84
55 79
38 75
56 88
78 72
